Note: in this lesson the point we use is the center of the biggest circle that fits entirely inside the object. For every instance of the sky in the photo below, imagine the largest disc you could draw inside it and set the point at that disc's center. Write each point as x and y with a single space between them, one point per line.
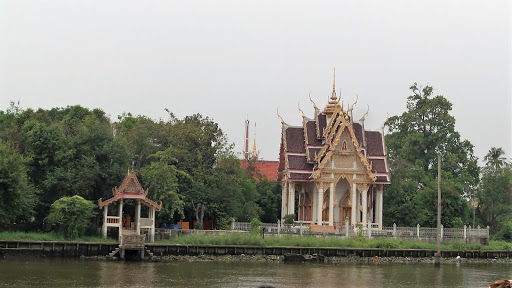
238 60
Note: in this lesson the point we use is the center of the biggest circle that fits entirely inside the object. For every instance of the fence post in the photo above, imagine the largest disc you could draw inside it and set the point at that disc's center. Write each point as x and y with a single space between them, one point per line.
346 228
465 233
487 231
323 226
301 228
442 231
418 230
233 224
394 230
278 227
369 230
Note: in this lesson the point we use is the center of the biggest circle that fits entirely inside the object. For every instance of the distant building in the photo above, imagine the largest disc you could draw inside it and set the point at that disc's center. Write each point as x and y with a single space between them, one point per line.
257 168
268 169
337 167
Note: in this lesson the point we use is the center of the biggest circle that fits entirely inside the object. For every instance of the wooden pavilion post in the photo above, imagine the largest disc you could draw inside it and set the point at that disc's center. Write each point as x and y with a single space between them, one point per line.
120 218
104 227
152 216
137 217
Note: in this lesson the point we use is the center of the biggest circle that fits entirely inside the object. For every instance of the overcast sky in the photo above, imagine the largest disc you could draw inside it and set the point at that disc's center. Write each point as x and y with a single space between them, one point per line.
232 60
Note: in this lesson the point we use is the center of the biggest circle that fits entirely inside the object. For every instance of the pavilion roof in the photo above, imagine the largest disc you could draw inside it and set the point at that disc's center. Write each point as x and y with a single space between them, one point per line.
130 188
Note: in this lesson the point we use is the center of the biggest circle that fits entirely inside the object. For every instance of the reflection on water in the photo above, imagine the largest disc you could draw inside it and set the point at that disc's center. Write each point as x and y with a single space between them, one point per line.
89 273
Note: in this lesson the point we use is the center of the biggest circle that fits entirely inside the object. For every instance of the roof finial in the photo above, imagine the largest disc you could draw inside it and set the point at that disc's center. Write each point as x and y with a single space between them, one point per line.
282 121
385 121
314 105
364 116
353 104
333 96
302 112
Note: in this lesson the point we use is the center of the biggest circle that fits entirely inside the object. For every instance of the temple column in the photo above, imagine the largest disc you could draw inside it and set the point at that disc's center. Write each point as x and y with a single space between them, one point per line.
137 217
331 204
303 195
104 227
314 204
291 198
120 218
283 201
365 207
379 201
319 202
152 216
354 206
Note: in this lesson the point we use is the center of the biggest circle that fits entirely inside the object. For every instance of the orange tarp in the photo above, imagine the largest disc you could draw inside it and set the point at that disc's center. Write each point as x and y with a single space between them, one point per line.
184 225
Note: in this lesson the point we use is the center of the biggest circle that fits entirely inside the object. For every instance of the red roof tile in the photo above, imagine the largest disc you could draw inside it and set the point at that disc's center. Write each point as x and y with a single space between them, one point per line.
265 168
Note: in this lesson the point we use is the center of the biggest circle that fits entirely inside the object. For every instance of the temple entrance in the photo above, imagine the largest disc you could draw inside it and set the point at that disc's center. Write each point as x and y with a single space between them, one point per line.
346 208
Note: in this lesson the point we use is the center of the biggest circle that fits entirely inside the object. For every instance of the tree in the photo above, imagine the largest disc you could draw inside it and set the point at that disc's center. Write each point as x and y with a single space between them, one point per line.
71 216
416 137
494 158
16 194
495 193
161 177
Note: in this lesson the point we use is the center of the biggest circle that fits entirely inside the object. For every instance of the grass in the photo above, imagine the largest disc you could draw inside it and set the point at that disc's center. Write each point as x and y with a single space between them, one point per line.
308 241
6 235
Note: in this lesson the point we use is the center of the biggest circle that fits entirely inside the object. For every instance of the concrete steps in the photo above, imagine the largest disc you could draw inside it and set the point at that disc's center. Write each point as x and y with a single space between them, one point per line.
114 252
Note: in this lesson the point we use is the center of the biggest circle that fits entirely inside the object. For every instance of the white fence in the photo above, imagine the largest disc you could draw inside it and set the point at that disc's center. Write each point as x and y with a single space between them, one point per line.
425 234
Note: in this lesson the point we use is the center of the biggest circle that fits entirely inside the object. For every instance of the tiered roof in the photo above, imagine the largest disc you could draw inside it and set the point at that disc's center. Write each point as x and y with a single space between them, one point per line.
130 189
303 148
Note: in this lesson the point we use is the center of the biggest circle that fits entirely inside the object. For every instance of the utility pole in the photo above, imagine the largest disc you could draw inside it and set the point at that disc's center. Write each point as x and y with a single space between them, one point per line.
438 254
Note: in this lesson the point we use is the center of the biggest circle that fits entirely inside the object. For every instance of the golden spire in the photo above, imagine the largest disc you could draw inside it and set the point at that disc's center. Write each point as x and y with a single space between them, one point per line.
254 151
334 98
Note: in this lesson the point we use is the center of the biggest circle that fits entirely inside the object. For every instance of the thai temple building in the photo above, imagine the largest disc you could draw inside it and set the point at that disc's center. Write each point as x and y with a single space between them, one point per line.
336 166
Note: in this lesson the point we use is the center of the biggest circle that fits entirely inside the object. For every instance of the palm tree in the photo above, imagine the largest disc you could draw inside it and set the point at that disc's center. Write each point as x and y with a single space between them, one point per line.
495 158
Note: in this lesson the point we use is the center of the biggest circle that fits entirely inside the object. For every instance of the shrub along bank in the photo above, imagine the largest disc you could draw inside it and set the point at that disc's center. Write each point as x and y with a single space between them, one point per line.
309 241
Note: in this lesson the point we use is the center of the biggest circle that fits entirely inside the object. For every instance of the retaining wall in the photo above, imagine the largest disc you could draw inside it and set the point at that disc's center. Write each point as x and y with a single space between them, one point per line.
77 249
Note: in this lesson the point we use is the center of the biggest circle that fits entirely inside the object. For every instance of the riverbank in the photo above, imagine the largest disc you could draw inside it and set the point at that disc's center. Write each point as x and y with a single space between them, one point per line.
175 251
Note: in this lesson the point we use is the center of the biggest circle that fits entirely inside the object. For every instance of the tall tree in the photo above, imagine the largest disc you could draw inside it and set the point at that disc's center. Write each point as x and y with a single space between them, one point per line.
161 177
495 158
16 194
495 192
416 137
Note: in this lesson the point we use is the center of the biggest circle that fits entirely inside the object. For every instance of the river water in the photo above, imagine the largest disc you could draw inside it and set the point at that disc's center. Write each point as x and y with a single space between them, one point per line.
92 273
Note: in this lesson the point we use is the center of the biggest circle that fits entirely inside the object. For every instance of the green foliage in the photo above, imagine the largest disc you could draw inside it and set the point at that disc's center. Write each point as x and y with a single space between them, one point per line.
198 226
244 238
269 200
70 216
256 226
16 194
50 237
495 197
416 137
288 219
161 177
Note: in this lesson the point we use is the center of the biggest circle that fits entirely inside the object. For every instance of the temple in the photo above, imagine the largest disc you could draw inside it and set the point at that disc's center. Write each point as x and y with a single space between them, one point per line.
130 189
336 166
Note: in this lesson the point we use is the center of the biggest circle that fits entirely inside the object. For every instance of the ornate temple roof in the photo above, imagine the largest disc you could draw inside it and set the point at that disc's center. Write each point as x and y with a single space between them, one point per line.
130 188
303 148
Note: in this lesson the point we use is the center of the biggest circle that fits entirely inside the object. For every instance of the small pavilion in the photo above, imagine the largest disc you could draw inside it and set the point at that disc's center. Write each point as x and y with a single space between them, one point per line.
130 189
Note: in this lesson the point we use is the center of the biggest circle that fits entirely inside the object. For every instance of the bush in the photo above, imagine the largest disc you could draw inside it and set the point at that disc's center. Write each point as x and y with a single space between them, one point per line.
198 226
256 225
70 216
288 219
